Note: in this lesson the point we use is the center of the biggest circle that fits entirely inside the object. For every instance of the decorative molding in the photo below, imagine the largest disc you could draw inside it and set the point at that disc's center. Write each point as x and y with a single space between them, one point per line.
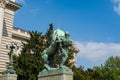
9 5
3 3
13 6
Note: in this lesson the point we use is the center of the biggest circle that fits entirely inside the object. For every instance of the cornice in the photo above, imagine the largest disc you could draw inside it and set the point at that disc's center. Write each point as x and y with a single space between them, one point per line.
3 3
9 5
13 6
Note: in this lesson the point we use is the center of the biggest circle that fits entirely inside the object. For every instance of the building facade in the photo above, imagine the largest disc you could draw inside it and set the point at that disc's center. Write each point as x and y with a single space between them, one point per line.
8 33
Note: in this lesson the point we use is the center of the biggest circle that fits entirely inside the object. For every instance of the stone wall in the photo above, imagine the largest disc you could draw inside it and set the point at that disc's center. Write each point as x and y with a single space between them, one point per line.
6 31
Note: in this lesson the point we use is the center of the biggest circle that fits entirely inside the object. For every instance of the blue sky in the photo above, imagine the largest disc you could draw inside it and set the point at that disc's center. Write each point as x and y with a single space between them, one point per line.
94 25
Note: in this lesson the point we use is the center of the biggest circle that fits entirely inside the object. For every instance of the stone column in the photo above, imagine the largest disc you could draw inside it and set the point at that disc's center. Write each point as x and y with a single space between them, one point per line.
2 5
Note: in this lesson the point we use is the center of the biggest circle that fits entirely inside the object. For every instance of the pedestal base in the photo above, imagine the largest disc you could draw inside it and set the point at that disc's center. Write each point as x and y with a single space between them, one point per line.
55 75
8 77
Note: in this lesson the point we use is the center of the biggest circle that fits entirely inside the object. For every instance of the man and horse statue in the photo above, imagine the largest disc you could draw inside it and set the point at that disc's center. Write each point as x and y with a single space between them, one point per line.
59 43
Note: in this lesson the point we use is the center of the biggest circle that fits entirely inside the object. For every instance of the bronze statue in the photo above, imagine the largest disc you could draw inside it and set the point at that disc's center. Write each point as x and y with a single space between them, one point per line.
59 43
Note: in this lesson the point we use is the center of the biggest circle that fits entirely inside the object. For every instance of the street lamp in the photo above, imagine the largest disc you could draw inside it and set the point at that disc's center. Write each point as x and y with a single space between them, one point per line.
10 67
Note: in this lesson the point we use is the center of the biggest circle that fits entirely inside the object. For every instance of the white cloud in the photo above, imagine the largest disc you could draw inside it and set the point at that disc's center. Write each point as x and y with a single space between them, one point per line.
117 9
95 52
116 1
117 6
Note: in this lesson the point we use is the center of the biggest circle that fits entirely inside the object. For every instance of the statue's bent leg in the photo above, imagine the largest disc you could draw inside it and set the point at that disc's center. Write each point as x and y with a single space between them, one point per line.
63 58
46 62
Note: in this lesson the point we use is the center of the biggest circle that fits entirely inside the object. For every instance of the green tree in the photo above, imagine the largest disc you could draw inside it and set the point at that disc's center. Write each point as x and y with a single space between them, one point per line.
111 68
29 62
78 73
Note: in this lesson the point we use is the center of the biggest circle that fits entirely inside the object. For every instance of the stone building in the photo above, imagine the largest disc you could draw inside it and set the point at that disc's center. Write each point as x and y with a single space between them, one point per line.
8 33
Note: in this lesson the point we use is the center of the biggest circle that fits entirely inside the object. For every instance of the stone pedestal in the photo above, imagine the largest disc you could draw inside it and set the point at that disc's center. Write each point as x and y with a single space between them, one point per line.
56 75
8 77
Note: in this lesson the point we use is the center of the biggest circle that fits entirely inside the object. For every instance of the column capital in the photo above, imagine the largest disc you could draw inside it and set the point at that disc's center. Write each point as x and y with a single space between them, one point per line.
3 3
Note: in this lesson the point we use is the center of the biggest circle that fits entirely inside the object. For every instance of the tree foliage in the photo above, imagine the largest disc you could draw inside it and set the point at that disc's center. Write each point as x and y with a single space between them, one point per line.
29 62
110 70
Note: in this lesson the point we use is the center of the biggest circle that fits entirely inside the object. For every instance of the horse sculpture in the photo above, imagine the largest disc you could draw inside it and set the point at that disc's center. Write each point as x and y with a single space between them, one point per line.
59 43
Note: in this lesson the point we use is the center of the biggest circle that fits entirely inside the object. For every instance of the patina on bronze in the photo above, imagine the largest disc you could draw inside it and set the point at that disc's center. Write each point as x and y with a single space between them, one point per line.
59 42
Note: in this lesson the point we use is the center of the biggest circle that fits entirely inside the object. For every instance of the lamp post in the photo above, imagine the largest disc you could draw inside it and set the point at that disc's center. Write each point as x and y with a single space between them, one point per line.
10 68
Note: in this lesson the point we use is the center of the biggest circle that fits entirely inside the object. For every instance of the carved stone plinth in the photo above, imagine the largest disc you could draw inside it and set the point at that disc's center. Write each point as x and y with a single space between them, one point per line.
8 77
56 75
